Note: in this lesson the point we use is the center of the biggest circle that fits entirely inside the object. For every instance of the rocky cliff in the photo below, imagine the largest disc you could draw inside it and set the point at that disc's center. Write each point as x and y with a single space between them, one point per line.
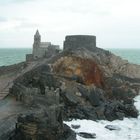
83 81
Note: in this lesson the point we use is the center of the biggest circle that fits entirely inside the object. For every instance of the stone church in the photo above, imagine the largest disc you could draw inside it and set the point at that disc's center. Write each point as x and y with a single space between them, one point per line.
42 49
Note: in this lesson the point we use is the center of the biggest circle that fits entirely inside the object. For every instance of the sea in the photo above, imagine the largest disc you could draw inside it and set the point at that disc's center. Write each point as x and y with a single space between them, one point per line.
129 128
9 56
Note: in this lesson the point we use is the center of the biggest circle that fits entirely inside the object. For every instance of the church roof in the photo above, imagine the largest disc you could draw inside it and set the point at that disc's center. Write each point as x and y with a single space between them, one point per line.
37 33
45 44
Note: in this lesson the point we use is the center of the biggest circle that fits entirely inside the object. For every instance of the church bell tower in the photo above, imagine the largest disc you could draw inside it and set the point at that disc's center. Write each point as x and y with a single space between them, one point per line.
37 40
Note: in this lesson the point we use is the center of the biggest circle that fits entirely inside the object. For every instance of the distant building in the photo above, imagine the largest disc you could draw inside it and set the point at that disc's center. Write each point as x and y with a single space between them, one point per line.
42 49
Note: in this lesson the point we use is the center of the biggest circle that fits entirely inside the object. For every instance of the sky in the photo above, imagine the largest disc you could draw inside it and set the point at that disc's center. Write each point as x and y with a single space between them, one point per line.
115 23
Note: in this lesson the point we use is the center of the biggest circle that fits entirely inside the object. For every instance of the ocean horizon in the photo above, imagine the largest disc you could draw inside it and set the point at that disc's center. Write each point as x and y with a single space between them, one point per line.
9 56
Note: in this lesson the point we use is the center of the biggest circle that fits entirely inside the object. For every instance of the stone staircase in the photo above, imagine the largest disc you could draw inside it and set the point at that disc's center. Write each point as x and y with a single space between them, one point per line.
4 93
4 89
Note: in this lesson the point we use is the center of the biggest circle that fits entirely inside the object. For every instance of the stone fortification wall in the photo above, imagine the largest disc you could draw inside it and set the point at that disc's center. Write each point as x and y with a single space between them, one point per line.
79 41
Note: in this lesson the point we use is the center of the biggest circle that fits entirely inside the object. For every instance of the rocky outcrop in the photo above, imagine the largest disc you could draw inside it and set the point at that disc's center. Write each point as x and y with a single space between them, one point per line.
47 122
84 71
79 99
39 127
82 82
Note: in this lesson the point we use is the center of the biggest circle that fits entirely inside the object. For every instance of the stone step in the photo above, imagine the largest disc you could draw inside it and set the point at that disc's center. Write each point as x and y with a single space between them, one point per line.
3 94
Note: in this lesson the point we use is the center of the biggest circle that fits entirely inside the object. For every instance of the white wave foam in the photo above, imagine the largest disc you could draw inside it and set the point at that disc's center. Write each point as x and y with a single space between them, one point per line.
130 127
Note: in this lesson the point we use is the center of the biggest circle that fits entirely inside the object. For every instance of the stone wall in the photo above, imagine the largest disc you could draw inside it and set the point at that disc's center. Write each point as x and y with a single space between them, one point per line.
79 41
42 52
29 57
39 52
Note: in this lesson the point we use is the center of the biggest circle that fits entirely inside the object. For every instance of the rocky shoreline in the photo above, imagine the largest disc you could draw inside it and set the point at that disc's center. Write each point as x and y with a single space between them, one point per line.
81 82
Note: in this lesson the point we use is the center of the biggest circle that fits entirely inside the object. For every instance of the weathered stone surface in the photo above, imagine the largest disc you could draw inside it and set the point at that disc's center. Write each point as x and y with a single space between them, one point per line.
39 127
47 124
94 98
87 135
112 127
130 110
74 68
75 126
71 98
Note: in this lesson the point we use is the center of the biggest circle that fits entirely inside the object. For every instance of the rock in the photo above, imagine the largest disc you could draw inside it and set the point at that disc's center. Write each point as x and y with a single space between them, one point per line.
84 91
114 110
94 97
73 68
87 135
46 125
75 126
120 115
71 98
82 81
112 127
123 93
68 134
100 112
87 112
130 110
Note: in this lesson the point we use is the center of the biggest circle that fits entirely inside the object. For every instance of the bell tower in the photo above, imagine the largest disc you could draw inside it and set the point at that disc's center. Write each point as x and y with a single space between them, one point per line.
37 39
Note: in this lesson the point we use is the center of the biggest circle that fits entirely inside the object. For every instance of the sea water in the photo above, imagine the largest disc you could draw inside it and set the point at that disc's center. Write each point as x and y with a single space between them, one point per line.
132 55
11 56
129 127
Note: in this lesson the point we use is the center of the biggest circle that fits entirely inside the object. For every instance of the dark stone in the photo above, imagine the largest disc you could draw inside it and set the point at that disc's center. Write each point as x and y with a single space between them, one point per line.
112 127
130 110
43 126
120 115
88 112
100 112
84 91
68 134
110 111
75 126
87 135
71 98
123 93
94 98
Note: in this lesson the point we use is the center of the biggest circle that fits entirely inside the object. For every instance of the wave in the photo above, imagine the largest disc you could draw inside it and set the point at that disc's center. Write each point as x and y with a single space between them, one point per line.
129 128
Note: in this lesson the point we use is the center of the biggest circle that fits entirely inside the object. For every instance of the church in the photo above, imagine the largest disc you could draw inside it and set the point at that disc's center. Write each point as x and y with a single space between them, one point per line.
42 49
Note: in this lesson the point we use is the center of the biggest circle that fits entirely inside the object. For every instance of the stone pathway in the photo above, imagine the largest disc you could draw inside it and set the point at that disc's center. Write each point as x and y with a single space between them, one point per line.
6 81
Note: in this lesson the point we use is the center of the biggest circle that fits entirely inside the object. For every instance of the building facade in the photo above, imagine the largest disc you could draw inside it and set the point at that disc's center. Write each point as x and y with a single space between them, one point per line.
42 49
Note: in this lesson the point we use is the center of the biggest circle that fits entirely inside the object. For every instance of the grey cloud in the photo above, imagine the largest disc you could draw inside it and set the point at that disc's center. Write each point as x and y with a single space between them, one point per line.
18 1
27 25
14 1
79 7
3 19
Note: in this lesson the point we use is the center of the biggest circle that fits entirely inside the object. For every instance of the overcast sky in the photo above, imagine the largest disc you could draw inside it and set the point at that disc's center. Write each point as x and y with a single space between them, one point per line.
116 23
